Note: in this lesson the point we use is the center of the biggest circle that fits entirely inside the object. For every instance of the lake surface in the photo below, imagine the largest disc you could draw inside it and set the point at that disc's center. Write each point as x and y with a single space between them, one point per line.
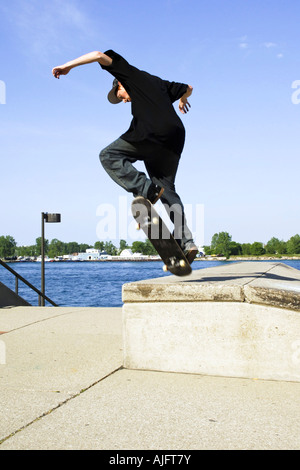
91 284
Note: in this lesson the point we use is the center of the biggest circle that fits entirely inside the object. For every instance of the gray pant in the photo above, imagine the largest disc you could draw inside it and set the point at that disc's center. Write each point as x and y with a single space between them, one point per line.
161 165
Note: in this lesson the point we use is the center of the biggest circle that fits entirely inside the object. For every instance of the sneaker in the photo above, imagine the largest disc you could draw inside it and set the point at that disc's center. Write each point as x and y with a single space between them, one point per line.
190 251
154 193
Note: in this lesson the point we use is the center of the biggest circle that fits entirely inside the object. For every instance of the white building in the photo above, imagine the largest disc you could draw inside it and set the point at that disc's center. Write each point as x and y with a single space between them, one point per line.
127 253
91 254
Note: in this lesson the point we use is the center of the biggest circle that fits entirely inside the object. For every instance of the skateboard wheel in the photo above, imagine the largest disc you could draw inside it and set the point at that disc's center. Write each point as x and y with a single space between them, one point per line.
138 226
182 263
155 220
165 268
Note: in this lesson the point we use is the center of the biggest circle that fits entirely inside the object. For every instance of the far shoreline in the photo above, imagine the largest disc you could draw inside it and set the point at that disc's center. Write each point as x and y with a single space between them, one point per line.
144 259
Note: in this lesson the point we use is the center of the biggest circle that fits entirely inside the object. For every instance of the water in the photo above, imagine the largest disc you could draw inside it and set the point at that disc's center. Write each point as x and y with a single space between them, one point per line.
90 284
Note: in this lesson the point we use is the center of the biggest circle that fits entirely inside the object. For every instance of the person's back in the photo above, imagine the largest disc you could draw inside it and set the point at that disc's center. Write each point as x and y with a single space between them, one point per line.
152 98
156 136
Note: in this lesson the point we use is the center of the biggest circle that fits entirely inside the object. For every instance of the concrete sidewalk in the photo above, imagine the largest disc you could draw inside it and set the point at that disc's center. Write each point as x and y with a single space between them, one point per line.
63 387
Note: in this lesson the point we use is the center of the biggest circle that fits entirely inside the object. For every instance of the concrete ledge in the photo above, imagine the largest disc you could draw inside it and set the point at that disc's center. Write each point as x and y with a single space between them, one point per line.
237 320
273 284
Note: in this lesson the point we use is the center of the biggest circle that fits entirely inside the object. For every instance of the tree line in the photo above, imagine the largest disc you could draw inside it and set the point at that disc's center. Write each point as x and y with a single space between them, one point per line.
223 245
54 248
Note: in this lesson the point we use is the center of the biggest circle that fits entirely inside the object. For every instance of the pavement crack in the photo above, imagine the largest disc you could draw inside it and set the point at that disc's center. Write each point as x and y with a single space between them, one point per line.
46 413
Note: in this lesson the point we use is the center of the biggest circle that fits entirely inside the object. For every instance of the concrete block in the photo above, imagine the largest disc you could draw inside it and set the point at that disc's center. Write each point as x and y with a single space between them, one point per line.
243 321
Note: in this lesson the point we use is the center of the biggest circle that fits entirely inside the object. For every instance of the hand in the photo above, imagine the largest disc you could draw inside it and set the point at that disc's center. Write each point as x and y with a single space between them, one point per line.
61 70
184 105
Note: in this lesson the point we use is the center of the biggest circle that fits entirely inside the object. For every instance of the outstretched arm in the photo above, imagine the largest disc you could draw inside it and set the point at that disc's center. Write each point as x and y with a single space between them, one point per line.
95 56
184 105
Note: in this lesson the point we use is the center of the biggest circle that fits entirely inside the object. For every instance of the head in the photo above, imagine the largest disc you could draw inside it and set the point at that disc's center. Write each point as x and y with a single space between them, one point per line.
118 93
122 94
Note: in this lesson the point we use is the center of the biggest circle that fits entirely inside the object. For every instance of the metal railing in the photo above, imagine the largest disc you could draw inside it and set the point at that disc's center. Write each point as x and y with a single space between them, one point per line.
18 278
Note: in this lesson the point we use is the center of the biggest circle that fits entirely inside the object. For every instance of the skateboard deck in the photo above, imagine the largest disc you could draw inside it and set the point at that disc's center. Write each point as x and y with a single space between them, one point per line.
159 235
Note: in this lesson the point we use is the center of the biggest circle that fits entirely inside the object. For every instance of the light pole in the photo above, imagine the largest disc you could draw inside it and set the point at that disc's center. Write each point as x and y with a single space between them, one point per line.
50 218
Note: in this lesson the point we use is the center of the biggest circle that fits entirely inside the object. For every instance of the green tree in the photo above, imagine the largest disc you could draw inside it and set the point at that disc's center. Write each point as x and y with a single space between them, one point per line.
137 247
235 248
293 245
99 245
220 244
83 247
7 246
149 248
246 248
145 248
123 245
56 248
281 248
29 250
38 245
275 246
257 249
110 248
71 247
207 249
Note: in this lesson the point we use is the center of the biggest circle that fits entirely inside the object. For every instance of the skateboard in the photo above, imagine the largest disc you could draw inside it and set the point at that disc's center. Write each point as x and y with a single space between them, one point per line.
159 235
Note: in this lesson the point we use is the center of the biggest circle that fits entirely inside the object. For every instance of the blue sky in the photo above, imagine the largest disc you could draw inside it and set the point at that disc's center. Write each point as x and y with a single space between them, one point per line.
241 158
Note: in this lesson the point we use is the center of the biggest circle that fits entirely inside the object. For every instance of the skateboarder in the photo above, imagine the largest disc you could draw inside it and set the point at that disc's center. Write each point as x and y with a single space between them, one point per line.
156 136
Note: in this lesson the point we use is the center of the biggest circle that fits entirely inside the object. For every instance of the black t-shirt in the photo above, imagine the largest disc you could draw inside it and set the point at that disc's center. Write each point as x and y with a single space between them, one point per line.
154 117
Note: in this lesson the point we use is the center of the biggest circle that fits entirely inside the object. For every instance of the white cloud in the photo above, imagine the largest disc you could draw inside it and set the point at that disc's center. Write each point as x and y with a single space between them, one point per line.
243 44
270 44
47 26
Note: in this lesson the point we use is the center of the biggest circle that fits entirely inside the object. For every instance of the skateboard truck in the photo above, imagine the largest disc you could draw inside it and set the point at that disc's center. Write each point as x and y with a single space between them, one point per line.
173 262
